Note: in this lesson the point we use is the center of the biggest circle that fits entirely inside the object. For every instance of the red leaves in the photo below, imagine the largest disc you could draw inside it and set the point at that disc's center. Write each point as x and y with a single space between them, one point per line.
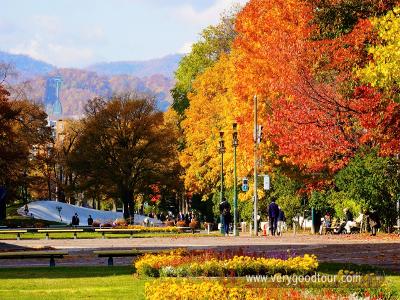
318 119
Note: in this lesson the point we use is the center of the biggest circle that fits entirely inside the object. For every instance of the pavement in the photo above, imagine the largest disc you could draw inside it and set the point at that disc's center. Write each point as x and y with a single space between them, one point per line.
382 250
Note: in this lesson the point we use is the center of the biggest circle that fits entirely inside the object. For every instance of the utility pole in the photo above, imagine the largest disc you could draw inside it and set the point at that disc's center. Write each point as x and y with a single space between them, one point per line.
255 166
235 143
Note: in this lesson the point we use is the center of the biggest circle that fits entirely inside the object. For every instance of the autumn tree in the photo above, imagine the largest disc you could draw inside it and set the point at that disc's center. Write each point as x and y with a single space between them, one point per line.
318 107
124 145
23 128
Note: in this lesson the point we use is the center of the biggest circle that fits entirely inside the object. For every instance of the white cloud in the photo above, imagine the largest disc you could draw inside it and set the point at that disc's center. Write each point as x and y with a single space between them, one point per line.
47 24
57 54
94 33
211 15
186 48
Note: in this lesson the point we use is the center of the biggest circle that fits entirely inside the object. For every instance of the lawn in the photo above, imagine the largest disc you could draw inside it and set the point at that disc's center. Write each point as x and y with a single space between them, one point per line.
103 282
97 235
70 283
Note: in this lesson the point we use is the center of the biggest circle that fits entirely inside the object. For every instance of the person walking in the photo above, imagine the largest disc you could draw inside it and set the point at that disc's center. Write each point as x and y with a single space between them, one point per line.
225 211
281 221
90 221
273 214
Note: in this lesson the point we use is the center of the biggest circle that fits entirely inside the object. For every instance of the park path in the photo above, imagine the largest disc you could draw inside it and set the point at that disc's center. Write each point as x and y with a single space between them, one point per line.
383 250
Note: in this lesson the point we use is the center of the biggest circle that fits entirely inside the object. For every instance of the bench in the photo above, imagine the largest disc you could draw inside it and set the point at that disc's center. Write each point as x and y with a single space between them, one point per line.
34 254
48 231
121 253
116 230
14 231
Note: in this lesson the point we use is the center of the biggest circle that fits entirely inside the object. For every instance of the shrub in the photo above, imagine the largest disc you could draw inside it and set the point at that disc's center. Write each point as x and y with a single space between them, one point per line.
181 224
194 224
170 223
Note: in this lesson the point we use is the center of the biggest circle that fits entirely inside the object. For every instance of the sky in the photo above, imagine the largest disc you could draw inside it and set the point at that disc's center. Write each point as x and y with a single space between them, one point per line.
77 33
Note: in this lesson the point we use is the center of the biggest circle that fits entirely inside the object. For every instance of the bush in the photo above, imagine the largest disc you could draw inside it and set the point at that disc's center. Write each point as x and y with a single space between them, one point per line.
181 224
194 224
170 223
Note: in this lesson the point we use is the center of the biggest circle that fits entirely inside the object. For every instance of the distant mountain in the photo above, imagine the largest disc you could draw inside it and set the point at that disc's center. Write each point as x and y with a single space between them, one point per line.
154 77
79 86
26 66
164 66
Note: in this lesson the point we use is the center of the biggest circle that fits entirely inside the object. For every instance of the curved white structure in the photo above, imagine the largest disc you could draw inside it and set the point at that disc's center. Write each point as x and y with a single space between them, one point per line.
63 212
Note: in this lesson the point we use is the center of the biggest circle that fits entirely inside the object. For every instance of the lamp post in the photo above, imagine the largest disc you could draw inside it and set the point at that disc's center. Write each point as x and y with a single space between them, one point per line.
255 167
235 143
222 151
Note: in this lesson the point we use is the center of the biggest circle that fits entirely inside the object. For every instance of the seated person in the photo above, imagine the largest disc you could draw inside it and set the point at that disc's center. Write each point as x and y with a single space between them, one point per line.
351 224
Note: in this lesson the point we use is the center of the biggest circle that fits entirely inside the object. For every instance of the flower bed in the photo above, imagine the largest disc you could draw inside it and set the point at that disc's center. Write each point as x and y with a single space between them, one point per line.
153 229
183 264
170 288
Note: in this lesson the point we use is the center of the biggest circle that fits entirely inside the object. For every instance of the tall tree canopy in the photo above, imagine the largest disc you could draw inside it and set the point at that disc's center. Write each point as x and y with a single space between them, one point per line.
125 146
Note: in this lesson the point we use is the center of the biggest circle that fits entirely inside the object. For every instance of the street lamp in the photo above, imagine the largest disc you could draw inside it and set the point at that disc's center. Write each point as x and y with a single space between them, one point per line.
222 151
235 143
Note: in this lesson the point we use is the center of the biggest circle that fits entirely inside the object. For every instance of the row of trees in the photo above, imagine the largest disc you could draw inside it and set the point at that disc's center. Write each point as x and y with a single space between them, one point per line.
122 151
327 76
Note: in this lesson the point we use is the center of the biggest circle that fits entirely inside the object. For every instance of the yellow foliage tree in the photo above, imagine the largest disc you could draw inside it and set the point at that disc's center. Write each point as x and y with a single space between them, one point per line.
213 108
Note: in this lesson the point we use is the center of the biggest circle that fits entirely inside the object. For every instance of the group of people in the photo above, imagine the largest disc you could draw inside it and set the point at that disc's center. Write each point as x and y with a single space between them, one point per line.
75 220
349 223
276 217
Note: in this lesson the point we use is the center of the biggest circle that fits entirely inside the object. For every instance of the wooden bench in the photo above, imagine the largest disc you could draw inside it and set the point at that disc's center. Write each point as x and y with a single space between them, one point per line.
34 254
116 230
48 231
123 253
14 231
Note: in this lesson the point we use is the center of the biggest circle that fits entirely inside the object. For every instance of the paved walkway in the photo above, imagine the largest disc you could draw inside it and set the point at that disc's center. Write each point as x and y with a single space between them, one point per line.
383 250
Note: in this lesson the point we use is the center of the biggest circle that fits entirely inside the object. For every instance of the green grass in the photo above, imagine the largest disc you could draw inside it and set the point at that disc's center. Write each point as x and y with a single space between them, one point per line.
70 283
97 235
106 282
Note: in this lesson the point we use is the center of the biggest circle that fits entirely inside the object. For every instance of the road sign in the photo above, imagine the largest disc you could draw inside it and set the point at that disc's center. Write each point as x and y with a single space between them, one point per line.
266 182
245 185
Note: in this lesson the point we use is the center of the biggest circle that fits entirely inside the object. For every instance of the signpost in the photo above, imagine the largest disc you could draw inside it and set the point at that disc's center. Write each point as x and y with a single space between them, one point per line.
266 182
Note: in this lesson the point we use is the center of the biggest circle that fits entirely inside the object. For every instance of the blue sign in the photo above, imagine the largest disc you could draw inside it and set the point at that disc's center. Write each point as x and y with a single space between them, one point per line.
245 185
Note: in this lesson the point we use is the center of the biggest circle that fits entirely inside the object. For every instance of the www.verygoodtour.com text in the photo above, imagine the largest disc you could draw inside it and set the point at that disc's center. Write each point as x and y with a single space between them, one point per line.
316 278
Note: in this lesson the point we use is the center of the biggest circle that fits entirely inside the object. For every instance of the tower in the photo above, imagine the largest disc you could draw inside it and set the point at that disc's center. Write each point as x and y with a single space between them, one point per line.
52 96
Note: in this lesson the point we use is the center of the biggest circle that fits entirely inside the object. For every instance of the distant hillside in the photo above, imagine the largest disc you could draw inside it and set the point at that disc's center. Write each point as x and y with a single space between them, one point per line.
153 77
25 66
164 66
79 86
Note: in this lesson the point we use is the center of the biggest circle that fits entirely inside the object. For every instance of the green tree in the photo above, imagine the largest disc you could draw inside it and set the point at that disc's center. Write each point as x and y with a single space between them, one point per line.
371 181
214 40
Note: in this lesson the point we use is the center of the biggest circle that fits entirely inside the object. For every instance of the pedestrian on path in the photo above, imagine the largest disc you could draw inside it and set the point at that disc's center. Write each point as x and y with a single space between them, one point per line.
225 211
273 214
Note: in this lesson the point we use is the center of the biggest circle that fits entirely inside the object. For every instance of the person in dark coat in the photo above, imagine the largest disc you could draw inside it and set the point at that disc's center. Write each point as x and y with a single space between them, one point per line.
374 222
181 216
273 214
90 220
281 221
75 220
225 211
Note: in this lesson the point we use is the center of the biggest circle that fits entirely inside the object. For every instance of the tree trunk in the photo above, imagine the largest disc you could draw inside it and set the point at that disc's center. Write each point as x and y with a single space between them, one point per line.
3 197
126 210
129 208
